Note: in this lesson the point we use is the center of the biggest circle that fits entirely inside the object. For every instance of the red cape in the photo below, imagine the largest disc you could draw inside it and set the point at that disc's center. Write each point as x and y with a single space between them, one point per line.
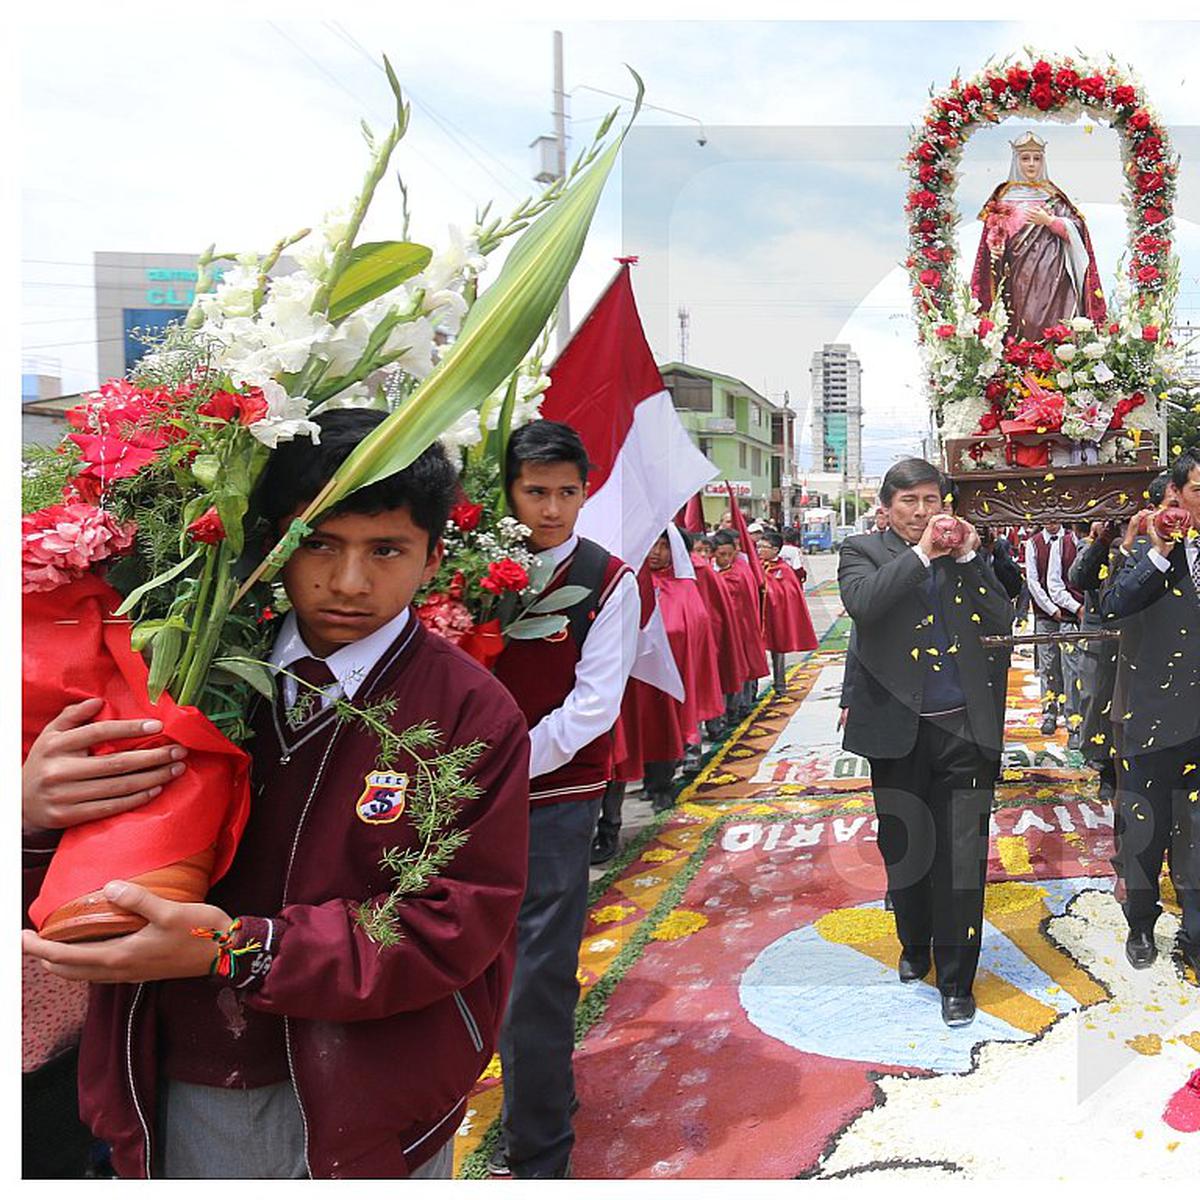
788 626
743 598
731 662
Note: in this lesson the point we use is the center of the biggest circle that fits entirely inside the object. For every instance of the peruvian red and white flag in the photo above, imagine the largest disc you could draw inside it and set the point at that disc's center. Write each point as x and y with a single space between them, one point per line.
606 385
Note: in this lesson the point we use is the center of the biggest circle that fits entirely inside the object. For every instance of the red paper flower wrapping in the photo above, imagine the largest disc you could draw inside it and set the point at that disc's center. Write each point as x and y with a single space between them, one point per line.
74 649
1041 409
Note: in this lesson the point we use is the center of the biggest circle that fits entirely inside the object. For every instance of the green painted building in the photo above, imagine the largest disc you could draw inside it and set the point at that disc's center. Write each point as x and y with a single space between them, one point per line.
748 437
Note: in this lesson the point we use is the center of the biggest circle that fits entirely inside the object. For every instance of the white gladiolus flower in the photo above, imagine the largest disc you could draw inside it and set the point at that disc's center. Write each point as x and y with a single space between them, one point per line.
447 308
286 417
1081 324
415 338
1101 373
465 432
1066 351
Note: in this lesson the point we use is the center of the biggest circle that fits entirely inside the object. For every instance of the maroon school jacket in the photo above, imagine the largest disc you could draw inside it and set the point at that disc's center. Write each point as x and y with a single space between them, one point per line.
384 1043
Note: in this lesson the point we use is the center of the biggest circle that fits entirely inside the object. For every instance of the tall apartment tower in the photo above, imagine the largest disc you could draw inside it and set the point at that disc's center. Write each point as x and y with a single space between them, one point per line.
836 376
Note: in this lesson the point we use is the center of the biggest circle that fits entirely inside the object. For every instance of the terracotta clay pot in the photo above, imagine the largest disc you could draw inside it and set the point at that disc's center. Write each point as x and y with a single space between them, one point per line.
948 533
92 918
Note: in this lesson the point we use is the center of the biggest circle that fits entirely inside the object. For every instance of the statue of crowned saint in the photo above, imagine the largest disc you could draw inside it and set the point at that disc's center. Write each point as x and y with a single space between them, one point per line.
1035 248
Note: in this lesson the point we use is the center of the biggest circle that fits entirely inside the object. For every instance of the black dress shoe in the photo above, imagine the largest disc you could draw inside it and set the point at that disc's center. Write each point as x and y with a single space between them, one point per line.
914 967
958 1010
604 849
661 801
1140 949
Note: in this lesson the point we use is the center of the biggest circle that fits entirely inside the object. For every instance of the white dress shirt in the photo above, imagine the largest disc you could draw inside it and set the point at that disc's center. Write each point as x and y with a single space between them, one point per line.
1164 564
350 665
1044 597
791 555
592 706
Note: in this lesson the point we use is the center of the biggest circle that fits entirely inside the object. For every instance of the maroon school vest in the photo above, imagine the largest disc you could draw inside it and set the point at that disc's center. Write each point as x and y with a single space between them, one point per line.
1041 549
540 674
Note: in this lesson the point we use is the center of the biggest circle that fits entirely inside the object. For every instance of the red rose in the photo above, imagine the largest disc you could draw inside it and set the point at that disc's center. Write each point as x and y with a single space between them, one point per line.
1043 360
1018 78
944 331
107 458
221 405
252 406
926 151
1114 328
1140 119
1124 96
1093 85
1065 78
971 95
933 254
927 226
1147 274
988 422
922 198
996 389
235 406
1017 354
926 173
466 515
1150 149
1042 71
505 576
1154 216
1056 333
1149 243
1150 333
999 86
1150 181
1043 96
943 128
930 278
207 528
985 326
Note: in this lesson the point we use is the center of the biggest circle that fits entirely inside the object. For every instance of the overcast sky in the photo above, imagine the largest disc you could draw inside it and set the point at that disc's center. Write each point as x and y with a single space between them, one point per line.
163 136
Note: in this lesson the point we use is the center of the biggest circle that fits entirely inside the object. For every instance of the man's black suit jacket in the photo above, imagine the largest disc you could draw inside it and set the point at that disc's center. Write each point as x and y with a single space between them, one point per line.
883 588
1158 614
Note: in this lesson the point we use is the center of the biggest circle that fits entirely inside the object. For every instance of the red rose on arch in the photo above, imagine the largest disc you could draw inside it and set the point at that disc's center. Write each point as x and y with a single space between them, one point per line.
1154 216
1140 119
207 528
933 254
971 94
922 198
1065 78
1150 148
1150 181
466 515
1018 78
1041 71
998 85
926 151
927 173
927 226
1043 96
1148 274
1124 96
1094 86
930 278
506 575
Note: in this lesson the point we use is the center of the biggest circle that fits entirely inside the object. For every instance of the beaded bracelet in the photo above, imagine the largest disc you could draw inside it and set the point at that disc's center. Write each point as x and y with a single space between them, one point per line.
224 965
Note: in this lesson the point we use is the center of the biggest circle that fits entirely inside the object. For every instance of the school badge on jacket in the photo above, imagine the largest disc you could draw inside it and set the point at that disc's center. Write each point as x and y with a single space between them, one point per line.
382 800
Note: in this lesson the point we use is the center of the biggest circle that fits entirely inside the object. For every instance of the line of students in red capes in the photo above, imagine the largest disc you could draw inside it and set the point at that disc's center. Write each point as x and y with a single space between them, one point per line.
721 626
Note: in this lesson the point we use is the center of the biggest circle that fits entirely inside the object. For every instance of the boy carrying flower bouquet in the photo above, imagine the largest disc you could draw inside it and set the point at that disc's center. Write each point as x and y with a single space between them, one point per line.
309 1019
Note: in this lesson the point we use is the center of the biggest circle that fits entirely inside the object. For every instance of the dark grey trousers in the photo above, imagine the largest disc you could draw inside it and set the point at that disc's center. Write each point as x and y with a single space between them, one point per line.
538 1037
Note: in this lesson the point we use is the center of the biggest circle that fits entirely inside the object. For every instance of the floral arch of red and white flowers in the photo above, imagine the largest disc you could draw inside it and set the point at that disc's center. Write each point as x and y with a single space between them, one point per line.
1089 380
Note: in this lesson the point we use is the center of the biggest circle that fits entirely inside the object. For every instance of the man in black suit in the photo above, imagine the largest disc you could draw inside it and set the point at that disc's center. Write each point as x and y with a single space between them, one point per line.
928 714
1156 600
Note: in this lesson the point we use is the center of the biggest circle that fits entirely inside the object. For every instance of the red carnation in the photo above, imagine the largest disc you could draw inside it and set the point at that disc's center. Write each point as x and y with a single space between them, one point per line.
207 528
1154 216
1140 119
1043 96
1018 78
1150 333
1065 78
1043 360
930 278
505 576
1017 354
466 515
1124 96
1147 274
1093 85
944 331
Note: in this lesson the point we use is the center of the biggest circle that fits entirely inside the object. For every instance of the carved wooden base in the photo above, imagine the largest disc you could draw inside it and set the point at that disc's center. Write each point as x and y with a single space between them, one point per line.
1015 497
91 918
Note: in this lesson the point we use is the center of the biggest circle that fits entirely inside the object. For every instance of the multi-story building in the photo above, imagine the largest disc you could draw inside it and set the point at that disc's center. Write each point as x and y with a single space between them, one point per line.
742 432
836 375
